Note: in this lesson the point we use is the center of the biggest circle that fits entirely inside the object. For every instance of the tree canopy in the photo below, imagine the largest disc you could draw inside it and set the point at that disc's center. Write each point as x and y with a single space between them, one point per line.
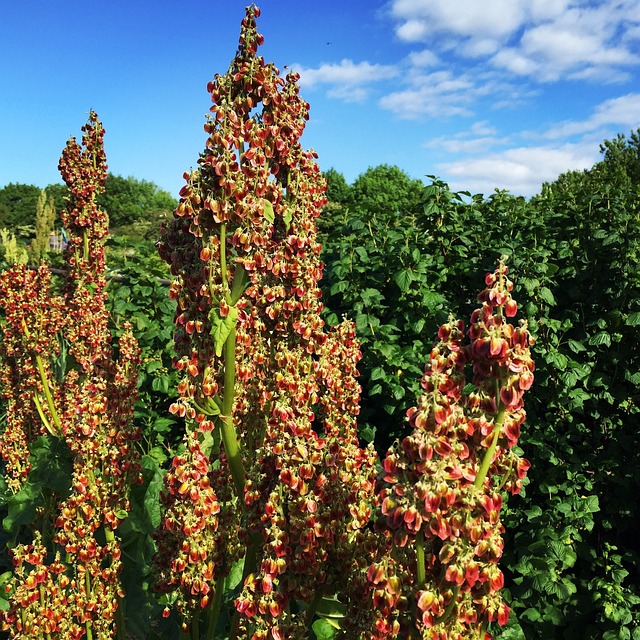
127 201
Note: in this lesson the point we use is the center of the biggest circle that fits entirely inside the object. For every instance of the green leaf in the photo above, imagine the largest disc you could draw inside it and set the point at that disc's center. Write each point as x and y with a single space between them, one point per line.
602 337
576 346
377 373
633 319
221 327
547 296
268 211
403 279
22 508
590 504
418 325
531 614
362 254
235 574
558 359
331 608
325 630
152 365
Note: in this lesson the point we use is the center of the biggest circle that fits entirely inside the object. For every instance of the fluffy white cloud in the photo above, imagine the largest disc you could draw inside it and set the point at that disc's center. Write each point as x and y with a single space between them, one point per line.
622 112
437 94
424 58
495 19
520 170
347 80
544 39
480 137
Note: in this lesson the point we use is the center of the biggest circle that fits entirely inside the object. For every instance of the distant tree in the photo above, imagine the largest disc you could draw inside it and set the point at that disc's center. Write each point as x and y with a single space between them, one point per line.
386 192
622 156
128 200
57 192
18 203
11 252
337 188
45 219
335 210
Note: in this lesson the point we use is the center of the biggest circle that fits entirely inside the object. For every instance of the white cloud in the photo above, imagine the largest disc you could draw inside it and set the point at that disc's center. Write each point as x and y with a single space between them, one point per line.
623 111
424 58
419 19
438 94
547 40
515 62
480 137
348 80
520 170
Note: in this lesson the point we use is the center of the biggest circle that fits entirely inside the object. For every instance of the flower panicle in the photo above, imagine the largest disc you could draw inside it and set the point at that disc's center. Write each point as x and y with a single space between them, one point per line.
439 489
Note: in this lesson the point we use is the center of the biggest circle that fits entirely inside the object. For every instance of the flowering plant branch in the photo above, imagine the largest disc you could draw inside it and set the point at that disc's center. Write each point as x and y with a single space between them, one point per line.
440 487
61 380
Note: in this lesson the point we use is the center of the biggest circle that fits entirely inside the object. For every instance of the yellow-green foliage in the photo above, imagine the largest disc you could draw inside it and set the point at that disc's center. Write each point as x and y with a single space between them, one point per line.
45 218
13 253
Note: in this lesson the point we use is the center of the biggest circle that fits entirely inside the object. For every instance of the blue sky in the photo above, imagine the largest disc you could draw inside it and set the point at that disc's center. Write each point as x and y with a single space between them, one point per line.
483 94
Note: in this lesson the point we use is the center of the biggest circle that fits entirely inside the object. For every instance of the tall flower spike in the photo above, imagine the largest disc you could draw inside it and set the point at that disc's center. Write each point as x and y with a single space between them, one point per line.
89 405
440 488
251 345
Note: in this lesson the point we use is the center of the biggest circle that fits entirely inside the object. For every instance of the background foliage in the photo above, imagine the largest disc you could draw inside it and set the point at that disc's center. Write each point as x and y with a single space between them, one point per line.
401 262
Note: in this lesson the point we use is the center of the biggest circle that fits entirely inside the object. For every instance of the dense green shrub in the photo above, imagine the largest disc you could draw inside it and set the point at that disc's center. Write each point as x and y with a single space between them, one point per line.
572 550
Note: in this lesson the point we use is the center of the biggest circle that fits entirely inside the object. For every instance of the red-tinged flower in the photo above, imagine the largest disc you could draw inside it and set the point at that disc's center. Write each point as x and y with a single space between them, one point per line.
438 502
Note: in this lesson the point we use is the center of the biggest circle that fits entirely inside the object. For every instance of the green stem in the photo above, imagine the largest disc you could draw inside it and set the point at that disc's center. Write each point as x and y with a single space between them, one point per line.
240 280
195 628
110 537
85 245
223 263
43 417
232 450
47 393
446 615
250 562
421 567
43 605
488 456
45 385
88 622
213 610
313 607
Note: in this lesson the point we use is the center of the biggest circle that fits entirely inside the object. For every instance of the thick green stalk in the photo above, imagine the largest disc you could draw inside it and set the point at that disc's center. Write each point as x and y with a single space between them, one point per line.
47 393
446 615
223 263
47 390
488 456
213 610
87 624
228 431
85 245
43 417
195 628
250 560
421 571
110 537
313 607
42 604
